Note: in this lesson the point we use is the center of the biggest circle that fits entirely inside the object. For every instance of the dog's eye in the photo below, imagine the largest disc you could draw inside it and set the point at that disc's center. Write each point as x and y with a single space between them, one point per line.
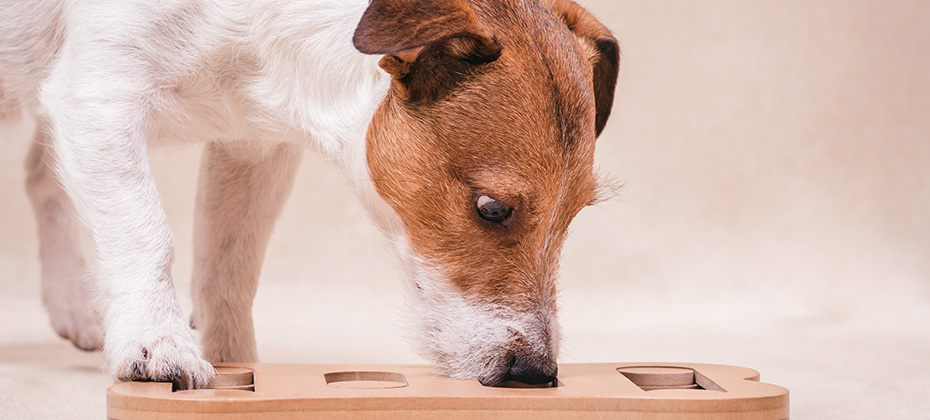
492 210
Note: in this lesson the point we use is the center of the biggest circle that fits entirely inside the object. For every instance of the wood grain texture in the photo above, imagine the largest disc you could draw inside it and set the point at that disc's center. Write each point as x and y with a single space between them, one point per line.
585 391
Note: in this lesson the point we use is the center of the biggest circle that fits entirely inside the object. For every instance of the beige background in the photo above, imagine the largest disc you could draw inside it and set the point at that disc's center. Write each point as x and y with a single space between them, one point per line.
775 213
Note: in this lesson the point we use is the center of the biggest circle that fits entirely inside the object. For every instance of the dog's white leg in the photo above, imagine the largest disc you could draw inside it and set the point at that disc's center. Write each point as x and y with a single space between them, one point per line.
99 110
243 187
66 283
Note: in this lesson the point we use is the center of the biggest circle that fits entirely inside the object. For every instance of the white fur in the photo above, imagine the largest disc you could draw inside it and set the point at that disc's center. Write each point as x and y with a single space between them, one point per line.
469 340
260 79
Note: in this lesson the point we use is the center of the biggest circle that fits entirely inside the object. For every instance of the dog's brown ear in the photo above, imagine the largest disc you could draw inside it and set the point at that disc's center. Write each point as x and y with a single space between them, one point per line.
391 26
428 44
607 65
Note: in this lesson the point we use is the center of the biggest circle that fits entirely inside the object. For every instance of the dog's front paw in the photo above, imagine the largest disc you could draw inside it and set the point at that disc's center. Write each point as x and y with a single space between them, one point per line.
173 359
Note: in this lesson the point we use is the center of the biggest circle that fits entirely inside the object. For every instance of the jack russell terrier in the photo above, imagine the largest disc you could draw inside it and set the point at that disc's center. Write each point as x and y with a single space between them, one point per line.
467 128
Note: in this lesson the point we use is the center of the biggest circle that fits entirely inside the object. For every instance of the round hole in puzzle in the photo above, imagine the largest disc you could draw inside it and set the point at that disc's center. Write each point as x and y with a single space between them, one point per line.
232 377
366 380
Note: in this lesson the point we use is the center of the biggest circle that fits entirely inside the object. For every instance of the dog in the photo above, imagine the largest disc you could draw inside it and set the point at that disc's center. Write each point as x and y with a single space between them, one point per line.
466 127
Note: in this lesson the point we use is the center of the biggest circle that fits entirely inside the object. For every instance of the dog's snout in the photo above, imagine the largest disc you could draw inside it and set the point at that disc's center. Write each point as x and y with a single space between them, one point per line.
531 372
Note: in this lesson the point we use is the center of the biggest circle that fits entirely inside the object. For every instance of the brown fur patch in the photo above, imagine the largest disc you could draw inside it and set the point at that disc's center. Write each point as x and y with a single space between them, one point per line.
607 63
520 128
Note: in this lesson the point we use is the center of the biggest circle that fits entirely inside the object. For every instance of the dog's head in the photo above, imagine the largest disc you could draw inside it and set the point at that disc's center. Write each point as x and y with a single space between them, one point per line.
484 149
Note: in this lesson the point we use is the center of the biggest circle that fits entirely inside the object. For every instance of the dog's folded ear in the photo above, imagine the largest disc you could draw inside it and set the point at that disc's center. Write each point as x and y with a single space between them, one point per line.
607 64
428 44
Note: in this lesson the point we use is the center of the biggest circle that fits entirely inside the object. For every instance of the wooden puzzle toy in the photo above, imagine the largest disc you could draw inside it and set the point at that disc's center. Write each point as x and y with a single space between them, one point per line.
665 391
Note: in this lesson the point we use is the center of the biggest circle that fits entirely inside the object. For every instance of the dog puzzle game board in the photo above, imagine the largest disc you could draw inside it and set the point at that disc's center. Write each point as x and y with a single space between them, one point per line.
663 391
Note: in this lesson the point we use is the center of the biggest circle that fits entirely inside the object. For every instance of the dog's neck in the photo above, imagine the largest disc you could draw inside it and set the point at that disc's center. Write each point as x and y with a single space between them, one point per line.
324 86
312 77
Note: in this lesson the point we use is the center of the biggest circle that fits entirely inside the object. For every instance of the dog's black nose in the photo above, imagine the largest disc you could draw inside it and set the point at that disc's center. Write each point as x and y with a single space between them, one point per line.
532 373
